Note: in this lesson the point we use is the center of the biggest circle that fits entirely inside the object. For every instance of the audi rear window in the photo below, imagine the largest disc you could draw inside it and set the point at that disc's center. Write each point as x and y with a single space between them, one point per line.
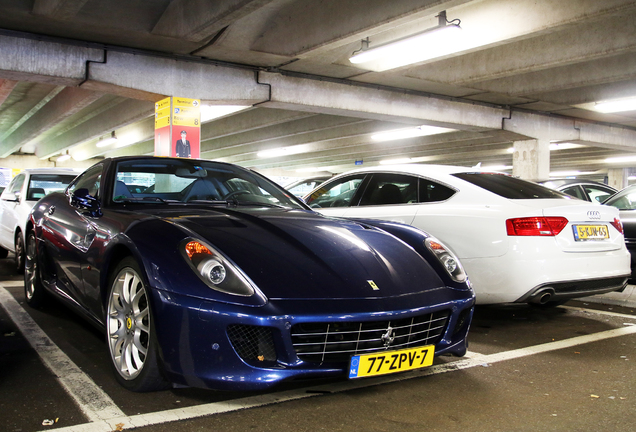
510 187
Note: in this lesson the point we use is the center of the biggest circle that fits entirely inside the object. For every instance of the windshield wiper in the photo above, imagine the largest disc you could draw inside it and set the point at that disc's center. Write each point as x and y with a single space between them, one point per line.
144 199
259 204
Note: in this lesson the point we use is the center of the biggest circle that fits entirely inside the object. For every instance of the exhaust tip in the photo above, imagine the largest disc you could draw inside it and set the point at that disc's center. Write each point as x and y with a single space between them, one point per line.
542 296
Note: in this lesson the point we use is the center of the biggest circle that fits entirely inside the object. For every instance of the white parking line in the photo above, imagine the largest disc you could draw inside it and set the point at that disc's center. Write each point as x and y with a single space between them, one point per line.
92 400
472 359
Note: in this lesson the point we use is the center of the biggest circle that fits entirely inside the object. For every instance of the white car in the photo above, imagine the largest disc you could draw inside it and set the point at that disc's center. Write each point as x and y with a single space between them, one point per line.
18 199
518 241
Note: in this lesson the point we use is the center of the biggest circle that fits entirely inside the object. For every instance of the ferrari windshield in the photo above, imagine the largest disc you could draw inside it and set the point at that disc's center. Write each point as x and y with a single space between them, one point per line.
195 181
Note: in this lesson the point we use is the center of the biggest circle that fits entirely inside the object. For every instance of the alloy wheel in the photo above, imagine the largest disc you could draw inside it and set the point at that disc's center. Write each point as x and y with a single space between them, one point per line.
128 323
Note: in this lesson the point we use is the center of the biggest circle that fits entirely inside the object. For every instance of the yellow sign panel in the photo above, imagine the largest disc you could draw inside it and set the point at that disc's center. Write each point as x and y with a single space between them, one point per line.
162 122
187 111
163 103
184 102
185 121
165 112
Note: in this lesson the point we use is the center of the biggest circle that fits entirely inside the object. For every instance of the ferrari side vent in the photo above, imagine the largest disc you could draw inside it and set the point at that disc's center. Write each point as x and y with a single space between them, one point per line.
338 341
252 343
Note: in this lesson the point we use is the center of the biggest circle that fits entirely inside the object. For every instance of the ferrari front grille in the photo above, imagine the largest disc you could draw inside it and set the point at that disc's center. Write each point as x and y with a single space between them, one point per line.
337 341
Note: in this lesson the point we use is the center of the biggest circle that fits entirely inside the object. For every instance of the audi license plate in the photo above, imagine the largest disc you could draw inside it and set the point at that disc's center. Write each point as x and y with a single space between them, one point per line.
590 232
386 362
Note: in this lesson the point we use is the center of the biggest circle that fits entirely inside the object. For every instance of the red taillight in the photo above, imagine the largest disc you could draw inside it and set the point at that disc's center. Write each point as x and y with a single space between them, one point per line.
536 226
616 223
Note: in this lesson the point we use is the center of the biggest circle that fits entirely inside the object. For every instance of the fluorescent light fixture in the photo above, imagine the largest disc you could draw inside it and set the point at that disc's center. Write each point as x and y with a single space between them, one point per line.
409 133
436 42
63 157
616 105
621 159
107 141
282 151
211 112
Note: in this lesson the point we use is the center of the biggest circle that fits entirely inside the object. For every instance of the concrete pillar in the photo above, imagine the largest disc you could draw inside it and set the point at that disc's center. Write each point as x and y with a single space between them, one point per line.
531 159
617 177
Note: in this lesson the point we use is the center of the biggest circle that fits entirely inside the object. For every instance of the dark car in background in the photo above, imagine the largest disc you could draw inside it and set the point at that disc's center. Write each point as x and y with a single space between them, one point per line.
625 202
587 190
215 277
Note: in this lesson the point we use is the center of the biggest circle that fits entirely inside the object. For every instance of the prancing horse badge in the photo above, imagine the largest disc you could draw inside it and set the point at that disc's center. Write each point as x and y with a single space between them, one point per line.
373 285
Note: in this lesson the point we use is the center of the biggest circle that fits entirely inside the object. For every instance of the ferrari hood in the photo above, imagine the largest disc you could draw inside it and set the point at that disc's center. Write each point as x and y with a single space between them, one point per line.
295 254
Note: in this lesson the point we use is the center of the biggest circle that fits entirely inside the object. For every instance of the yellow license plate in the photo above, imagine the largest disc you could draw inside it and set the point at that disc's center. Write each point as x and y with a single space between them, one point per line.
590 232
386 362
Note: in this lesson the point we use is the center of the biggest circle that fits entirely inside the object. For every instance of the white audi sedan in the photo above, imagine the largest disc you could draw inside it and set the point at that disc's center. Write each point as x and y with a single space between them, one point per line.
518 241
18 199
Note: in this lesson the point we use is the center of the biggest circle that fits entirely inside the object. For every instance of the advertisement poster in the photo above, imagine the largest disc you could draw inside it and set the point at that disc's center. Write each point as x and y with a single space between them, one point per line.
178 127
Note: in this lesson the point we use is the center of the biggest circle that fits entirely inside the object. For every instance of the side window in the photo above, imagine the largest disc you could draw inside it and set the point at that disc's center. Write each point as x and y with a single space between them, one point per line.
337 193
386 189
575 191
596 194
434 192
90 180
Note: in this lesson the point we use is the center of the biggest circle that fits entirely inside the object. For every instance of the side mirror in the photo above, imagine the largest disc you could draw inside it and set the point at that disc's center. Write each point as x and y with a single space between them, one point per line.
82 200
11 196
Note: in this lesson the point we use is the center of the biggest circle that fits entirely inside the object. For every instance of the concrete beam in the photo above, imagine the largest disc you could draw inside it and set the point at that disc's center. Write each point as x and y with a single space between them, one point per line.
250 120
201 19
303 131
63 10
560 48
305 28
173 77
363 102
540 126
347 150
66 103
130 135
487 24
6 87
611 137
583 74
121 114
47 62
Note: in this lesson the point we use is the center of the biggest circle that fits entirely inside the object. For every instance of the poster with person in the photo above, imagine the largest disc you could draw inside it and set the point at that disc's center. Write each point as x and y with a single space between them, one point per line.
178 127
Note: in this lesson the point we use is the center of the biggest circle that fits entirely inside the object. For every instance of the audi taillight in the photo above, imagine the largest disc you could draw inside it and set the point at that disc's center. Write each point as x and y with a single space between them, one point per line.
536 226
616 223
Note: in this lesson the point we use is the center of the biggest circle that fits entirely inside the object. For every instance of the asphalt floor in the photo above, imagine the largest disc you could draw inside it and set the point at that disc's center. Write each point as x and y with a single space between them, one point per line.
570 368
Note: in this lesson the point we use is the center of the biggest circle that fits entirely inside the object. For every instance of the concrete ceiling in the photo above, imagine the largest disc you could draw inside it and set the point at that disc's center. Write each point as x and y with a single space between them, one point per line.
73 71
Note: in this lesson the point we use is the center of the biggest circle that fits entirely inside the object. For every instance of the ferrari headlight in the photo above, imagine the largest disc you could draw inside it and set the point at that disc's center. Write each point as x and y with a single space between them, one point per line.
217 271
447 258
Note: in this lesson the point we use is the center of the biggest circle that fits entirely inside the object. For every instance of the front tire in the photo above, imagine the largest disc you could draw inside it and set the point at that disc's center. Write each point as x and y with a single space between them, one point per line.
34 292
132 342
19 254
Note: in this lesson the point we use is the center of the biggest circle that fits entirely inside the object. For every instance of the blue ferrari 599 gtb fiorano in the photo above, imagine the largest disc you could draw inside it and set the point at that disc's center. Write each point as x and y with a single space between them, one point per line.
206 274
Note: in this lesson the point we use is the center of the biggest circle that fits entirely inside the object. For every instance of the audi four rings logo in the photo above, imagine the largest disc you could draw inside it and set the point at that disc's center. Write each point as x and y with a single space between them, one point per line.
593 214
